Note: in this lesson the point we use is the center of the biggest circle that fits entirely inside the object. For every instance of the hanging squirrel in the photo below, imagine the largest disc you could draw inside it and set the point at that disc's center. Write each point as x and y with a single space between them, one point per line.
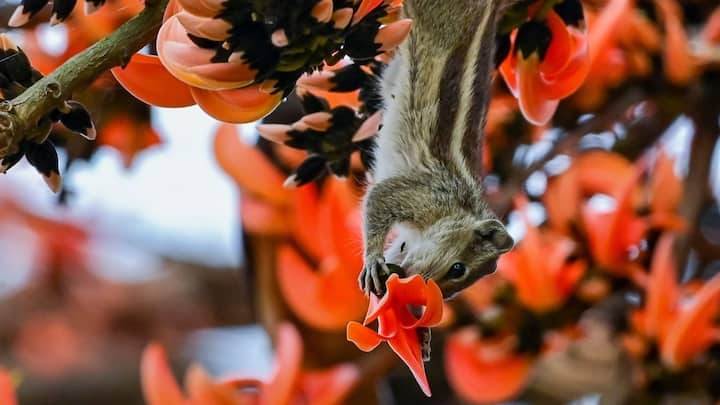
426 184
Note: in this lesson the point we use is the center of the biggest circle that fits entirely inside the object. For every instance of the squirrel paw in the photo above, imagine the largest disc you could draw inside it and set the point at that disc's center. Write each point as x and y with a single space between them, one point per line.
374 275
424 339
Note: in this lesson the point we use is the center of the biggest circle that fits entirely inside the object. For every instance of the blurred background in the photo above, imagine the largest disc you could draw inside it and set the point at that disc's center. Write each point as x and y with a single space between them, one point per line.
173 228
134 254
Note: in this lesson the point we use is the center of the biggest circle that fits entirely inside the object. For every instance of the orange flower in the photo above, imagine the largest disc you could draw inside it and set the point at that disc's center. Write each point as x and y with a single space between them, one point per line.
325 224
128 137
594 172
7 390
665 188
320 84
147 80
249 168
485 370
598 172
238 69
397 325
679 63
610 63
613 234
327 227
288 385
685 326
694 329
541 285
541 77
662 293
711 30
183 75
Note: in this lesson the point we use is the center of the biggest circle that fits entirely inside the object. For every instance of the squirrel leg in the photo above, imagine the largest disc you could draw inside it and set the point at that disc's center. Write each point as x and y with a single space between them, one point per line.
389 202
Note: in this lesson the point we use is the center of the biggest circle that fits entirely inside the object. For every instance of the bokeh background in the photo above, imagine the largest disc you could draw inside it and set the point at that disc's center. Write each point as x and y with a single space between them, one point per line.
157 238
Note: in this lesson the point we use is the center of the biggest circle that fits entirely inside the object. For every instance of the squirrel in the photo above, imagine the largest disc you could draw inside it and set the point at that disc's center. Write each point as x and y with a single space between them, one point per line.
425 184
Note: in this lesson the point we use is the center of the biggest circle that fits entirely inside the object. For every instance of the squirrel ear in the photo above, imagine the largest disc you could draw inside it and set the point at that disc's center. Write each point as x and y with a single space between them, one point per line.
493 231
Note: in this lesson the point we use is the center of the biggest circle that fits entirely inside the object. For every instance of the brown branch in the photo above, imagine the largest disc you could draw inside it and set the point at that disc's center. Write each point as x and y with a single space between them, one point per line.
697 184
19 117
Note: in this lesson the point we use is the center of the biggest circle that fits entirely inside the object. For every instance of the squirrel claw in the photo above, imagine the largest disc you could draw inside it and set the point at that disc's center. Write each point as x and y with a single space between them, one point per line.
424 339
373 277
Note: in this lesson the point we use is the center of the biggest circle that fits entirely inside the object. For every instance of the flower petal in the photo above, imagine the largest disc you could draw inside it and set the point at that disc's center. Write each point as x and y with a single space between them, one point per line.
203 390
364 338
313 295
332 386
534 105
214 29
7 391
158 384
559 51
147 80
238 106
203 8
250 169
694 329
288 360
192 64
407 346
261 218
481 380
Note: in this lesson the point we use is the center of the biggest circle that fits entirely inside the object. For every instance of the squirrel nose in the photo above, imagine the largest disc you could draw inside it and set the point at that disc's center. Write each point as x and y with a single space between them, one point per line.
494 231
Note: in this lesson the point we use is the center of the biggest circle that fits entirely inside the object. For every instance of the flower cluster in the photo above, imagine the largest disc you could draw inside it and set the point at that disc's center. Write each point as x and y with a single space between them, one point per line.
318 260
627 38
289 384
237 60
547 58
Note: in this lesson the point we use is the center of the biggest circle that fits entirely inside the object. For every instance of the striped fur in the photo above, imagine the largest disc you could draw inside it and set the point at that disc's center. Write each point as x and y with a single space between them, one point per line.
427 174
436 88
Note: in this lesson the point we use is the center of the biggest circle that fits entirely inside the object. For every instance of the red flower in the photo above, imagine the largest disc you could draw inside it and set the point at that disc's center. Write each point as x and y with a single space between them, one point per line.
679 63
7 390
288 385
250 168
541 285
485 370
128 137
324 223
613 234
683 324
238 89
593 172
711 30
539 82
397 325
183 75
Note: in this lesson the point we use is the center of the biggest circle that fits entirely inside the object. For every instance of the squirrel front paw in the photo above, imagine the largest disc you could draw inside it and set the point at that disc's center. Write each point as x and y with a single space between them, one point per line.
424 340
374 275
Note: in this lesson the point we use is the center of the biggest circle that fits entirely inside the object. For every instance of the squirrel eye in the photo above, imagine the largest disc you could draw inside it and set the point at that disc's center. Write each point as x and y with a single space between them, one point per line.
457 270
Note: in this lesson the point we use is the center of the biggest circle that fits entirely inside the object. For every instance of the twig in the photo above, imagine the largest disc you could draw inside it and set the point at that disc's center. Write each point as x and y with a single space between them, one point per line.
19 117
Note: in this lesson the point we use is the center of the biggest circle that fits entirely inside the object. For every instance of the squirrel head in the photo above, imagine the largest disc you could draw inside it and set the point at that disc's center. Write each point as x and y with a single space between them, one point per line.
455 251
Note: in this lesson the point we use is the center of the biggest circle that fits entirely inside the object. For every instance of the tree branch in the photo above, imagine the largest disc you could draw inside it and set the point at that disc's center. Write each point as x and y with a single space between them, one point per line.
19 117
